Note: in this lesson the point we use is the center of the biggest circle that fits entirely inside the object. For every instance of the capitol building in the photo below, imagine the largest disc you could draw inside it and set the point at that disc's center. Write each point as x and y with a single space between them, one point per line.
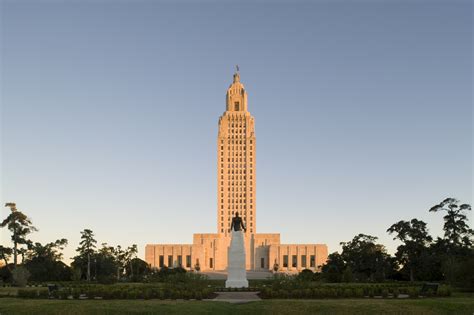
236 192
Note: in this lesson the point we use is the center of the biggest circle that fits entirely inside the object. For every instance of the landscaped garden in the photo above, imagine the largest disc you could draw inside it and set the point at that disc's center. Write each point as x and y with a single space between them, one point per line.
423 277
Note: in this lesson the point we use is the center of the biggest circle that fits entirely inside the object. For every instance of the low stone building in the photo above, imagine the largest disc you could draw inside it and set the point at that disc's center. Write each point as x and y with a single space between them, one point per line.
236 184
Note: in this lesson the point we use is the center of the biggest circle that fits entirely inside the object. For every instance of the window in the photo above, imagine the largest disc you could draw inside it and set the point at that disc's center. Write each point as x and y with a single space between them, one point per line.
188 261
211 263
170 261
312 261
180 260
294 261
303 261
162 261
262 262
285 261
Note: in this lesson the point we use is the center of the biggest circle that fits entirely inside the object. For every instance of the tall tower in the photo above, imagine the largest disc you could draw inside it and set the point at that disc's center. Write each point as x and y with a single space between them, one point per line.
236 161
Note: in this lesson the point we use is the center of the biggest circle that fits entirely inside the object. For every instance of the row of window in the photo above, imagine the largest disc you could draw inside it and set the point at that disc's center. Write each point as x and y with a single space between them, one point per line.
236 160
239 171
236 136
244 216
236 147
240 183
236 125
237 166
236 189
242 177
294 261
236 200
236 153
237 195
228 213
177 263
236 207
236 131
229 141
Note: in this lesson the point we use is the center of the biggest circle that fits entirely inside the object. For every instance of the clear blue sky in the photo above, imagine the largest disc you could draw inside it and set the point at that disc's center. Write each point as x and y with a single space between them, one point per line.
109 115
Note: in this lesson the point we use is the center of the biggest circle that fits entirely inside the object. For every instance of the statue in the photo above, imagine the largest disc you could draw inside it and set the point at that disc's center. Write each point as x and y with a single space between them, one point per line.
237 223
236 273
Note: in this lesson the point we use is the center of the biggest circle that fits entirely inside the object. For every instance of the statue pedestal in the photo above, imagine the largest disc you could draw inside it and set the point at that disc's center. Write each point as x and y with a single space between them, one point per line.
236 274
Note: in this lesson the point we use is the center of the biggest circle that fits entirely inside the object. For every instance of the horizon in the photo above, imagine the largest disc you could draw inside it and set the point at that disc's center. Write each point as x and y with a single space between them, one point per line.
363 116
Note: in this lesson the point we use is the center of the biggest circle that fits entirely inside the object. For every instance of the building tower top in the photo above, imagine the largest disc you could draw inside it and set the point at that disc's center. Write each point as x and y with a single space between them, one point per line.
236 98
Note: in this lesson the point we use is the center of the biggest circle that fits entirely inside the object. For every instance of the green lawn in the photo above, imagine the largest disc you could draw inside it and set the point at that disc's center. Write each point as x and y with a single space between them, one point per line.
458 304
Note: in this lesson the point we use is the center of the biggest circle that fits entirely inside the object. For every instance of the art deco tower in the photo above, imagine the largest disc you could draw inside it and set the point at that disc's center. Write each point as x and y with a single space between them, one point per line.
236 161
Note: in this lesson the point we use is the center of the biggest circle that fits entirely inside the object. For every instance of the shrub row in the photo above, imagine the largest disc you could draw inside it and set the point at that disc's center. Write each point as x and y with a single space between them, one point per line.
354 292
103 292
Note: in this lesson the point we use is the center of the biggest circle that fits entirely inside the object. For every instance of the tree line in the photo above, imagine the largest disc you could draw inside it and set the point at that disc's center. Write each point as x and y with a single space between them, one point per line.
418 258
33 261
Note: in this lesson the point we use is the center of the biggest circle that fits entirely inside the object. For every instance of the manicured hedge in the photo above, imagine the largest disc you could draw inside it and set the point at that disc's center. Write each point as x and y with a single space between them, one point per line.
348 291
120 292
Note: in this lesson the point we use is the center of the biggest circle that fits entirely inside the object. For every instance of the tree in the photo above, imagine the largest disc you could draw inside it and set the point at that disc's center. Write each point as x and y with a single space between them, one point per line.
44 262
140 269
333 268
105 264
120 257
416 240
457 233
20 226
131 253
5 253
87 249
367 260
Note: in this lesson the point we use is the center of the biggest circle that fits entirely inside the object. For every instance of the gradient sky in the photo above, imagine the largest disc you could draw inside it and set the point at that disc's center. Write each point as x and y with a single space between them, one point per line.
109 115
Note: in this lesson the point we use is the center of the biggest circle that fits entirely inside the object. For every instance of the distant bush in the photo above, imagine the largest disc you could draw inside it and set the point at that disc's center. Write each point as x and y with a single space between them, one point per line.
444 290
306 275
20 276
413 292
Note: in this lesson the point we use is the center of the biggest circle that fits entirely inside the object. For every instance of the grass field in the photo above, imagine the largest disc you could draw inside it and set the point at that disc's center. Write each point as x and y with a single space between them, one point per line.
458 304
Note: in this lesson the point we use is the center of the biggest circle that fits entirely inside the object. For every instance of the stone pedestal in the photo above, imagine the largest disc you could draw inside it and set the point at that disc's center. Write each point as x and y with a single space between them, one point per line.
236 274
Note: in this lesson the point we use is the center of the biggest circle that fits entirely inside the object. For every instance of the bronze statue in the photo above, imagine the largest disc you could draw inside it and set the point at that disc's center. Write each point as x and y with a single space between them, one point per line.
237 223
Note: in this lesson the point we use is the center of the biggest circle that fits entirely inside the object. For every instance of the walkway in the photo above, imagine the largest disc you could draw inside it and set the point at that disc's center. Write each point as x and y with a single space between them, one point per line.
237 297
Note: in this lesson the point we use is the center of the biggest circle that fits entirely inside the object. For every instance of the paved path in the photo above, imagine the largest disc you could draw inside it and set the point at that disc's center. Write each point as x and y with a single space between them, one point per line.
237 297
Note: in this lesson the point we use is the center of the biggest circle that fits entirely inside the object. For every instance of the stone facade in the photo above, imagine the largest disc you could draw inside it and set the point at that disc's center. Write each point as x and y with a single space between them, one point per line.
236 185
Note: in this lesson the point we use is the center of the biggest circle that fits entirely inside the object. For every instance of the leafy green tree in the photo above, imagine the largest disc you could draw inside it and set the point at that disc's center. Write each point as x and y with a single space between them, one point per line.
5 253
44 262
333 268
131 254
20 226
105 264
415 238
347 276
86 250
367 260
141 269
457 234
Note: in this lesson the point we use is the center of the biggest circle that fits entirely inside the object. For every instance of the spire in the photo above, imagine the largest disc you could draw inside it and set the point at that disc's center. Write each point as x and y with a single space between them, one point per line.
236 74
236 95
